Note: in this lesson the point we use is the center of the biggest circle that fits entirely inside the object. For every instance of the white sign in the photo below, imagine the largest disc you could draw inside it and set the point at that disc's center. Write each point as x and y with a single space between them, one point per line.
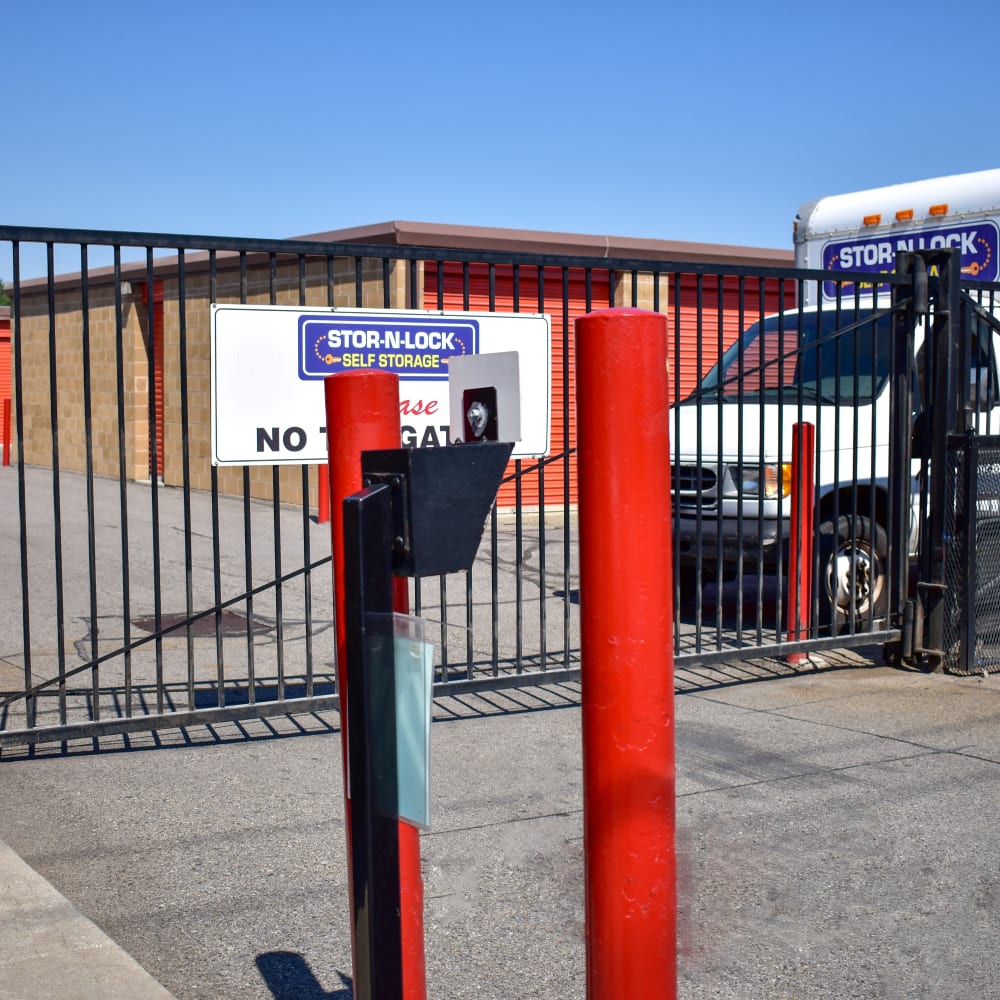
269 362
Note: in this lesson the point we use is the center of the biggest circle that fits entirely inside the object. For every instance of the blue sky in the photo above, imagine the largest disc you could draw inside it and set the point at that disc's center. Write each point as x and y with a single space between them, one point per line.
704 122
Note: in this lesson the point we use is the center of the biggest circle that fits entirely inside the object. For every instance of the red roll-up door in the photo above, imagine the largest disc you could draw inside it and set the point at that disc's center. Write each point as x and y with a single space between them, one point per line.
705 313
713 312
156 339
451 278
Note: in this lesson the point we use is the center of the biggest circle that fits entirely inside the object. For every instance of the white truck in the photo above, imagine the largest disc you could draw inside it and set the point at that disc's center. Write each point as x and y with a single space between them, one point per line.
826 363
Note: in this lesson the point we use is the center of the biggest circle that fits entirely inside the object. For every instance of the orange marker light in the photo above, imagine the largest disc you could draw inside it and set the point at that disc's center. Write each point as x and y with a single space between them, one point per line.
872 220
904 215
938 210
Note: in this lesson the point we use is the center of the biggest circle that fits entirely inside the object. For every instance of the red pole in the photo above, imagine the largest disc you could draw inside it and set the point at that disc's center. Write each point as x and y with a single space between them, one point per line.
323 497
362 414
801 535
626 616
5 429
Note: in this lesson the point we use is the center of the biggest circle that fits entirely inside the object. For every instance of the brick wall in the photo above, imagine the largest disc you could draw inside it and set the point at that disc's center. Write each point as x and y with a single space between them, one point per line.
189 321
59 341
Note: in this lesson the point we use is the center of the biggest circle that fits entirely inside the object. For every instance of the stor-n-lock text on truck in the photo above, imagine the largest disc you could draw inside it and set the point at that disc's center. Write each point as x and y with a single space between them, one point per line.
827 362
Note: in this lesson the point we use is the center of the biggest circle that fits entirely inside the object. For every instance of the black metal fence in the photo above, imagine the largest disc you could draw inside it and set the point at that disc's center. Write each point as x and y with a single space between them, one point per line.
823 362
144 587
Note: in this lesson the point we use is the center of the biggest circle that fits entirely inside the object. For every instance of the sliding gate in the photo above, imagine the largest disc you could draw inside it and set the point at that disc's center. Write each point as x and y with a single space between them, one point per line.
144 588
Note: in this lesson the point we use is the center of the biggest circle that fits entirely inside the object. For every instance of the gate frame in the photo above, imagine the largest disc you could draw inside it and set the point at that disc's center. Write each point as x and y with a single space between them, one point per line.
944 428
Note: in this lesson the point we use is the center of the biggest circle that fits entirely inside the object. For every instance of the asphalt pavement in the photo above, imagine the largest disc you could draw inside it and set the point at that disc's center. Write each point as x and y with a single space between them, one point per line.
838 835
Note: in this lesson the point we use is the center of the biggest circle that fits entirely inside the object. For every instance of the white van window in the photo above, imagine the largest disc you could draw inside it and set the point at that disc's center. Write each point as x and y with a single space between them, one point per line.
840 357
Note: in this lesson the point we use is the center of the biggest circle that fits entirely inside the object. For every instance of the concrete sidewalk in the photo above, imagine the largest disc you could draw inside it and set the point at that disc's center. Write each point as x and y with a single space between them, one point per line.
49 950
838 835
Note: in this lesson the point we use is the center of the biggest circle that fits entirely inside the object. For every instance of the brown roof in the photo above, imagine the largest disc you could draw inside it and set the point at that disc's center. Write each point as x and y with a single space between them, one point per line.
433 234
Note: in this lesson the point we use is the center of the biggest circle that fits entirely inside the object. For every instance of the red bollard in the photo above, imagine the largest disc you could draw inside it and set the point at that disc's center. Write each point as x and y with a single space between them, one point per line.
362 414
626 597
800 549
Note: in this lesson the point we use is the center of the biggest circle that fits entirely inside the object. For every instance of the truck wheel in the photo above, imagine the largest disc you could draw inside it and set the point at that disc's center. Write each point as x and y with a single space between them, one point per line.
853 553
686 577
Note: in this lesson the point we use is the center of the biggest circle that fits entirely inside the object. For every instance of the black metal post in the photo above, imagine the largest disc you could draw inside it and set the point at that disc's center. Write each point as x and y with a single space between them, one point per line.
900 439
970 473
371 745
943 420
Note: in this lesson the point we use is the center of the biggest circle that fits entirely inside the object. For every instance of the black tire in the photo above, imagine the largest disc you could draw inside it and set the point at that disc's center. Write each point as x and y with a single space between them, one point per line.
686 577
687 583
852 572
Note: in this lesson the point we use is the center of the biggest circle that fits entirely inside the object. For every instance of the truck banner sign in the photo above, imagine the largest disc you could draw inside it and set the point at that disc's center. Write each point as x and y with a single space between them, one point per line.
269 363
978 243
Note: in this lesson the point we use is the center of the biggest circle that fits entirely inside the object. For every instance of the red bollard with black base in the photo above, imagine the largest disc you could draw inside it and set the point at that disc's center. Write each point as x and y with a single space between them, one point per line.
626 596
362 414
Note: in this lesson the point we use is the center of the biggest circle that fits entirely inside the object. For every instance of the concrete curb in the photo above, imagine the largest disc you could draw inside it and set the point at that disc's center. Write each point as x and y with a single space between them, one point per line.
49 950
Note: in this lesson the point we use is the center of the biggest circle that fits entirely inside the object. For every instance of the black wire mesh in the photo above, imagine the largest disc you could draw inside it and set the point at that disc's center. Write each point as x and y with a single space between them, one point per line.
972 561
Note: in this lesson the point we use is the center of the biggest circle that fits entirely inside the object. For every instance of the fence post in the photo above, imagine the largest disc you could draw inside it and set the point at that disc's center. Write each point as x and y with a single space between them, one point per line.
800 550
626 619
362 414
375 887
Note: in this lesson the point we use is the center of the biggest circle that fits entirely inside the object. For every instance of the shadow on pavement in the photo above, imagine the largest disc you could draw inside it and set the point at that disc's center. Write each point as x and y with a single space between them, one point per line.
288 976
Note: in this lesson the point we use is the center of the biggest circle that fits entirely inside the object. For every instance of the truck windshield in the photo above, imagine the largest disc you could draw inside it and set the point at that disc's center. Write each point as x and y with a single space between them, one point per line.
839 357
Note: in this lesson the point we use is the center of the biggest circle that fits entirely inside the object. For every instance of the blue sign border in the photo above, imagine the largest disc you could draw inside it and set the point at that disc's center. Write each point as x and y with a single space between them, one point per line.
412 348
885 245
